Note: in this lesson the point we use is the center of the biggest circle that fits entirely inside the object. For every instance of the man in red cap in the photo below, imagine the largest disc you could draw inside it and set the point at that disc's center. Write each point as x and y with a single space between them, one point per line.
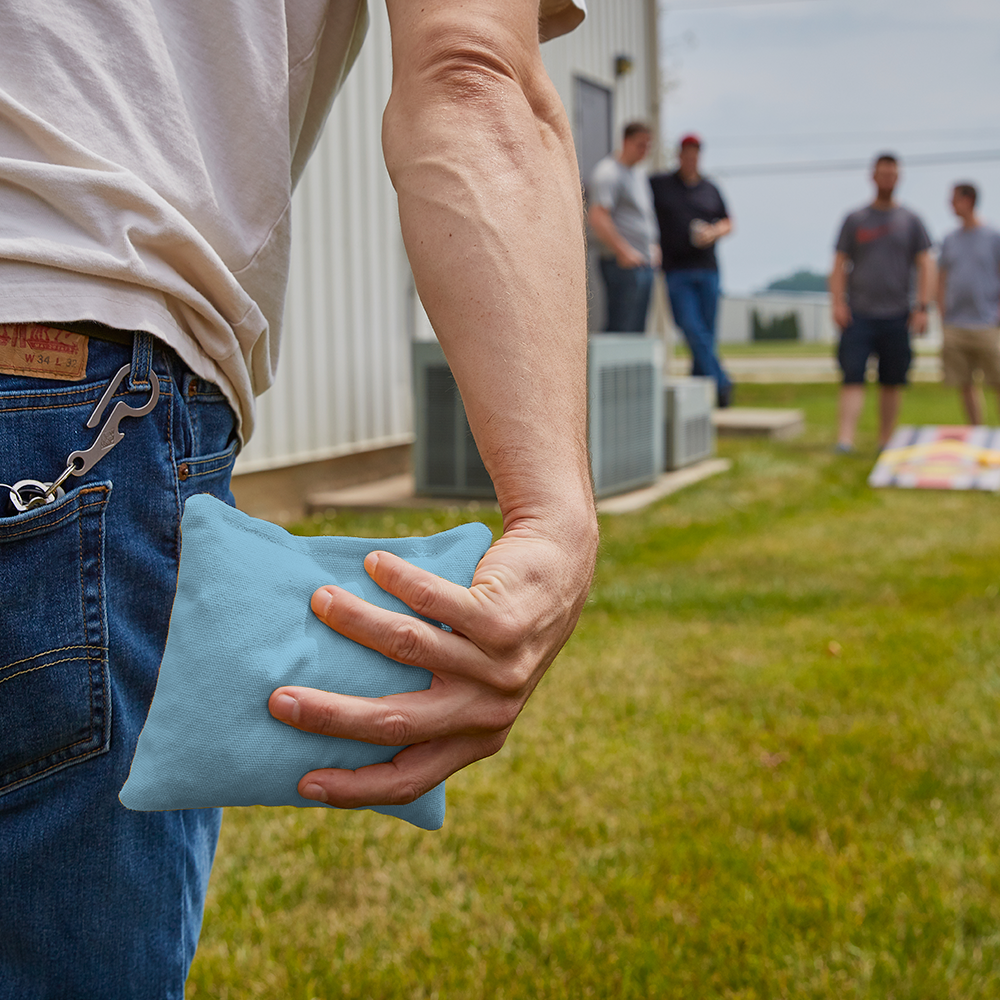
692 216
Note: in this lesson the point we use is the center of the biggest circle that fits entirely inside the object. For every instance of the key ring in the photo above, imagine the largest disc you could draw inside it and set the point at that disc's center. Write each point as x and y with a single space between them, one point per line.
30 493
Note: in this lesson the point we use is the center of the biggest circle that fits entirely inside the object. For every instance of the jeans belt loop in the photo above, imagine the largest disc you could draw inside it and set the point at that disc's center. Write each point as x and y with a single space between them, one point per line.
142 360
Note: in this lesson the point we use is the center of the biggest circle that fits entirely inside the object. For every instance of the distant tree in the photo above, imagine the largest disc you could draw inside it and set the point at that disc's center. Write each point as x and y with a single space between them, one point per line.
801 281
784 327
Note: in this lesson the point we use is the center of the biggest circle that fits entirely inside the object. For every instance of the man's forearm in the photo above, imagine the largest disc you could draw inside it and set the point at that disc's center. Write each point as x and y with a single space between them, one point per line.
942 291
837 281
481 156
489 201
838 291
925 279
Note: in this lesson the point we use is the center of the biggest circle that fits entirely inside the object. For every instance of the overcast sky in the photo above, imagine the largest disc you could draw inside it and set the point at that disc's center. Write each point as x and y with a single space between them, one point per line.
813 81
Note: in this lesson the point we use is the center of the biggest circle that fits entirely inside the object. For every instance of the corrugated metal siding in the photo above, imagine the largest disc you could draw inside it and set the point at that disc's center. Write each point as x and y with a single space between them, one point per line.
612 28
344 376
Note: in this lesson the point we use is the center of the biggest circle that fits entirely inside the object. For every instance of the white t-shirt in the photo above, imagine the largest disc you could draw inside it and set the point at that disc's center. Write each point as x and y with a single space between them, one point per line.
148 152
628 198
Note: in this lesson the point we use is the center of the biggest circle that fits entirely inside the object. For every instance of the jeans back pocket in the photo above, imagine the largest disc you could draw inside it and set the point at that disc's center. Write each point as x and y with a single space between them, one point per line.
55 701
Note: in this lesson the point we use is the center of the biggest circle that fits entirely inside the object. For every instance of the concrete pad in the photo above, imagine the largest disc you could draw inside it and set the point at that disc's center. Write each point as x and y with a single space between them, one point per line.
394 491
669 482
759 421
397 491
776 368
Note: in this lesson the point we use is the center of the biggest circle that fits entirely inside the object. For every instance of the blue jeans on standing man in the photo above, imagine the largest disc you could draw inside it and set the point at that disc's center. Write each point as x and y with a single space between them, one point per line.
98 901
694 301
627 291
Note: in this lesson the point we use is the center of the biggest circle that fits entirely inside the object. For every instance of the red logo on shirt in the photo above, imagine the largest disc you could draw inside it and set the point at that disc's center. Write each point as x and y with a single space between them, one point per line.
867 235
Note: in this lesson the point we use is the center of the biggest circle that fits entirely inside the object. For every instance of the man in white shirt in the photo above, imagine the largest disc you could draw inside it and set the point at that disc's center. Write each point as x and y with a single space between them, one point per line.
147 158
621 216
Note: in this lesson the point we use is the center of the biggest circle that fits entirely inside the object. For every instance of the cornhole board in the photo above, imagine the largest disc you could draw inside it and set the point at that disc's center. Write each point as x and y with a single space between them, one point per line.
940 458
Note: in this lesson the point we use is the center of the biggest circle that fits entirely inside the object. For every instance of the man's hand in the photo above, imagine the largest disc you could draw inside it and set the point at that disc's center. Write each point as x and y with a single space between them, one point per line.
628 257
918 322
708 233
607 232
842 315
506 630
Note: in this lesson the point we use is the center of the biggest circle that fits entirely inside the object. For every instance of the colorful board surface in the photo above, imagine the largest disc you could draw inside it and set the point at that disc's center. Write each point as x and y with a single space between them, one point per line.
940 458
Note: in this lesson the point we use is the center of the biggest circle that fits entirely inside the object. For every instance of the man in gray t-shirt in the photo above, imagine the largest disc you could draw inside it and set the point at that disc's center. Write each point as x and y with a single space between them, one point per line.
969 301
879 249
622 218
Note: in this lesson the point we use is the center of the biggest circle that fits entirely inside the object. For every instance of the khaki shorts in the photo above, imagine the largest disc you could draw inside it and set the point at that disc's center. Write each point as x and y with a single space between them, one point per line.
966 351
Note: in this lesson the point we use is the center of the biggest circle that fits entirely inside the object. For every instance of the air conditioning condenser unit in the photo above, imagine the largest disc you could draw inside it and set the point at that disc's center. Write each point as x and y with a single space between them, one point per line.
690 435
626 423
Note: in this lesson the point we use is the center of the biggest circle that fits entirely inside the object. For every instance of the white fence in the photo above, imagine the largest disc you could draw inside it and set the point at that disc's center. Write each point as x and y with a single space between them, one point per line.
811 312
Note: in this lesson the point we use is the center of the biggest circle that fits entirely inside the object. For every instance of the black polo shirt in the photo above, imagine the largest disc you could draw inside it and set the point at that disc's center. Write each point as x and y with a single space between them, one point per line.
677 206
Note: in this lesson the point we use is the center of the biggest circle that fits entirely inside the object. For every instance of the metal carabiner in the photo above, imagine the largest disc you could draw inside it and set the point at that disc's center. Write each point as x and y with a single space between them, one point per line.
80 462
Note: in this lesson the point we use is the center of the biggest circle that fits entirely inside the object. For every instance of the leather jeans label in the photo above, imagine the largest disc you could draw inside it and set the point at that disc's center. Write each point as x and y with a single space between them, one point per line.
42 352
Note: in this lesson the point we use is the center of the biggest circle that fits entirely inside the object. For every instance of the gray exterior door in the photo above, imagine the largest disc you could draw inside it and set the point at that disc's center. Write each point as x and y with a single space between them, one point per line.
593 113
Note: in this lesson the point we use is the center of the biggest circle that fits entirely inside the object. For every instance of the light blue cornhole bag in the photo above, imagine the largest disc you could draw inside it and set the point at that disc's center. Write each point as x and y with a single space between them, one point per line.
241 626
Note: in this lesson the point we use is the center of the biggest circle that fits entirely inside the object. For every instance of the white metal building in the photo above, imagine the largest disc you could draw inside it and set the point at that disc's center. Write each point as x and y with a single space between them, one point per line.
344 377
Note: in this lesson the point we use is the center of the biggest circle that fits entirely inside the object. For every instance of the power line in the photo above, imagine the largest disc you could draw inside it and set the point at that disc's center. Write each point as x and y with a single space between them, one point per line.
822 137
829 166
667 7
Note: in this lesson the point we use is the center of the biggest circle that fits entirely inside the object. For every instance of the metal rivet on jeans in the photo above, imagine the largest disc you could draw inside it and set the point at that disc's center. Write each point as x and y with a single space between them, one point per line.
183 471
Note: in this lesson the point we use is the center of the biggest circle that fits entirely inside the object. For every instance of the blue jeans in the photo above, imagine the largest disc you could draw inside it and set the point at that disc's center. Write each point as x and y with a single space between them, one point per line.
627 291
97 901
694 300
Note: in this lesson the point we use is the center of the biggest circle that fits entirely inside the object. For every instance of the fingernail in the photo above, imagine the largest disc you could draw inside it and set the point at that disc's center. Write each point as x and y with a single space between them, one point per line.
322 600
315 792
371 561
286 707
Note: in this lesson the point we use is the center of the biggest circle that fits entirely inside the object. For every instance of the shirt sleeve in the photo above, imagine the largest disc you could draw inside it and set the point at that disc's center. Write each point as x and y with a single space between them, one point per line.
603 187
723 211
559 17
944 257
921 241
845 241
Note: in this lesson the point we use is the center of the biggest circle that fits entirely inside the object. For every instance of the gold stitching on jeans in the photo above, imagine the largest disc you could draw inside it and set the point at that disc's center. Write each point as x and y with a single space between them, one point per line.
42 666
57 649
70 513
62 763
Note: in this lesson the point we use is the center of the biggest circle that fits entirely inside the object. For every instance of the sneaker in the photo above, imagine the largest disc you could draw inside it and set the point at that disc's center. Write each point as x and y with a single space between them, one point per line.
841 448
724 397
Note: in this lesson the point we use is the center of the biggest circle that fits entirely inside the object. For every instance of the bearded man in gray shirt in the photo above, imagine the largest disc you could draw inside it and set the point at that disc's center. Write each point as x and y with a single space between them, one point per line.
878 250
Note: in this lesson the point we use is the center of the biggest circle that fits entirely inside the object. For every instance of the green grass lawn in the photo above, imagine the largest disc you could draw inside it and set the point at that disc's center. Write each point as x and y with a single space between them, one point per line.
765 766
